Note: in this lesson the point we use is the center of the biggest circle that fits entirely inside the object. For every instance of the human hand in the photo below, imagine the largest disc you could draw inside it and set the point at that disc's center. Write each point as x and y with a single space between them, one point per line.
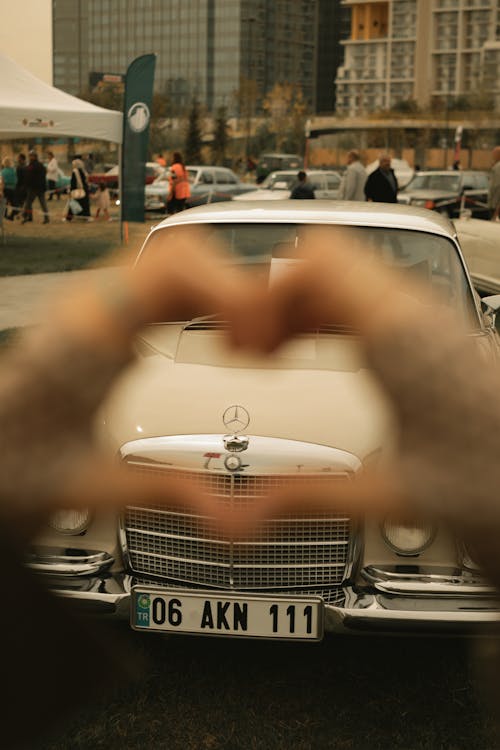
54 380
446 407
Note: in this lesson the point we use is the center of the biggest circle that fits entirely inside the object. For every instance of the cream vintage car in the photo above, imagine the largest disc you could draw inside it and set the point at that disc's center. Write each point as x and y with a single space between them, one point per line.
242 426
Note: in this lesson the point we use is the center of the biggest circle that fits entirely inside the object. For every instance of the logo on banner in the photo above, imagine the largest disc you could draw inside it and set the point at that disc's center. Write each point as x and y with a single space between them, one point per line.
138 117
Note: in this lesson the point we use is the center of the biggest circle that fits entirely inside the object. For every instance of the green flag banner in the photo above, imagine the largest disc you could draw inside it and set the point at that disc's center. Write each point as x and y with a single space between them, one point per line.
136 118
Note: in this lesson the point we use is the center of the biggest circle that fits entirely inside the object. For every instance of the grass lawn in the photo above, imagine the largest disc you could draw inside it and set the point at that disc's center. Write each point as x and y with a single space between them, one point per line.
65 246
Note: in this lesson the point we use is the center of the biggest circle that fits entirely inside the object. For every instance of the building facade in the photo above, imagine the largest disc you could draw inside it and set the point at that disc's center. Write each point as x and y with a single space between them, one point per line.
205 48
404 51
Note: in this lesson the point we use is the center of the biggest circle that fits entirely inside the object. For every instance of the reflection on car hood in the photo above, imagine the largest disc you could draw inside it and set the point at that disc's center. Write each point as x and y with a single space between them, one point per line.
265 195
315 390
426 194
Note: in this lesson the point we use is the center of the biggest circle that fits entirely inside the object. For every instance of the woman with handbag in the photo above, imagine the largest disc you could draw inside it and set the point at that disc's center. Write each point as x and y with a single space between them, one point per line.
79 192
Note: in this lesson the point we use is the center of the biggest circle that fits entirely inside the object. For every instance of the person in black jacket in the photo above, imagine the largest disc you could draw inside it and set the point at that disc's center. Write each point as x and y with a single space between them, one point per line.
303 188
36 185
20 190
382 184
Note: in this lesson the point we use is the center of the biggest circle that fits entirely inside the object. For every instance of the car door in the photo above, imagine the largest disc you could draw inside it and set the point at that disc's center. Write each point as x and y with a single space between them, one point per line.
226 183
326 185
318 182
477 195
204 187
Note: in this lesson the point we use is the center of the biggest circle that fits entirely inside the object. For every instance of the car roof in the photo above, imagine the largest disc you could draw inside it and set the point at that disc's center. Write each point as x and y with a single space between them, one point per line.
307 171
207 166
450 171
279 154
346 213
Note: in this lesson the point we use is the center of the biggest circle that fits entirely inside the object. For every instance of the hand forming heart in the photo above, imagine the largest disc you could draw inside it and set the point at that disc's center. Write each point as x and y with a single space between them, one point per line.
52 383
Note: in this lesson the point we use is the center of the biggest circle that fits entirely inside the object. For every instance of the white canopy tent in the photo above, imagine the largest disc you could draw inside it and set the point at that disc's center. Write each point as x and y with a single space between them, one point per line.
30 108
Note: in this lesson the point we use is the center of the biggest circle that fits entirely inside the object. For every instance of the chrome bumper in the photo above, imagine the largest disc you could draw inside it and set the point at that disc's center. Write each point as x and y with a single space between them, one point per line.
388 601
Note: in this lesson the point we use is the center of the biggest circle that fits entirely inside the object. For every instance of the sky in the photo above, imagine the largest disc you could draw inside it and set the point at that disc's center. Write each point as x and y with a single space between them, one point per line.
26 35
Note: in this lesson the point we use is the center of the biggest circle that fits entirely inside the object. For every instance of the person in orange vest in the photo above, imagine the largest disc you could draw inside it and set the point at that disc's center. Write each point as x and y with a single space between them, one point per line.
179 185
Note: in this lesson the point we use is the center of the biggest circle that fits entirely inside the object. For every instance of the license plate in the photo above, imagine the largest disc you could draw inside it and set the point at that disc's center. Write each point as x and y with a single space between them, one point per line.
206 613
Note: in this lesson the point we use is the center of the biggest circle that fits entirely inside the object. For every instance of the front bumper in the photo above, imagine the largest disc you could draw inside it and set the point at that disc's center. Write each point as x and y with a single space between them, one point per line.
447 601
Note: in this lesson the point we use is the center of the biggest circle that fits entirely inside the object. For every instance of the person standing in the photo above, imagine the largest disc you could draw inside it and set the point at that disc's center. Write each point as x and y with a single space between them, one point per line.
494 188
352 187
9 179
103 202
179 185
20 192
303 188
36 185
52 175
79 190
89 163
382 185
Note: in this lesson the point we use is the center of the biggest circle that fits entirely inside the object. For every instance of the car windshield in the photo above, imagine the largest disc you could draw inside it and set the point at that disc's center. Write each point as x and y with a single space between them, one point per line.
279 181
449 182
430 258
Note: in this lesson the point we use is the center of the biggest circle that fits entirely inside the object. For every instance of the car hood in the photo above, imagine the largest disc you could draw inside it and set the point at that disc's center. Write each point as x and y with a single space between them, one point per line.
430 195
315 390
156 189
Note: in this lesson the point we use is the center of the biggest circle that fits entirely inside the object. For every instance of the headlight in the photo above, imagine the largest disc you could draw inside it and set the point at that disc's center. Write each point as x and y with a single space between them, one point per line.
419 202
409 538
70 521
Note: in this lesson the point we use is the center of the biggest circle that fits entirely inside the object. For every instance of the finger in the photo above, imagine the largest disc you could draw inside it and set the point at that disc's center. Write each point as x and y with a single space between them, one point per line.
100 486
371 495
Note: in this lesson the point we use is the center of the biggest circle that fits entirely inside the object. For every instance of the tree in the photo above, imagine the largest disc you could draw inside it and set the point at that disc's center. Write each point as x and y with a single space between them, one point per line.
109 96
287 111
161 110
219 144
192 149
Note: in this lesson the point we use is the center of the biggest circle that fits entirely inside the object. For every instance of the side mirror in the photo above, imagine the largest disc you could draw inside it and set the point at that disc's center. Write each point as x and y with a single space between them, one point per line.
491 305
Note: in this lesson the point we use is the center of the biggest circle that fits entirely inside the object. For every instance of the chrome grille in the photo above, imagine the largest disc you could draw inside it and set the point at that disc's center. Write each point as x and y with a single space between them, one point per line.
298 551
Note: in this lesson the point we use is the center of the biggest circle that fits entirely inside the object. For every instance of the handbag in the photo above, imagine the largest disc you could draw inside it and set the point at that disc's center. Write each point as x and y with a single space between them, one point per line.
75 207
78 192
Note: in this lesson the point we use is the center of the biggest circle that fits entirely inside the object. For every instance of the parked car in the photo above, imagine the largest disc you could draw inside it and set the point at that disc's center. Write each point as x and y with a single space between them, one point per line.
480 241
208 185
449 191
270 162
278 185
111 176
188 408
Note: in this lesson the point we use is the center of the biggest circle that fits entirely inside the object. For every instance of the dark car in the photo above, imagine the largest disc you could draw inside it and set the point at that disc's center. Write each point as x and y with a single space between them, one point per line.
268 163
208 185
449 191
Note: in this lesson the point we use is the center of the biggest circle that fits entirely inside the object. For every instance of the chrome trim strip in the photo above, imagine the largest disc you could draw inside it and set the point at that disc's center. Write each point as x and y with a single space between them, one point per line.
61 564
267 456
425 582
363 612
429 588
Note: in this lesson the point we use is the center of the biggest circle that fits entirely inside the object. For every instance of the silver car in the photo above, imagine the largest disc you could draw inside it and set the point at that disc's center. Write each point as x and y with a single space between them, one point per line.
207 185
241 426
278 185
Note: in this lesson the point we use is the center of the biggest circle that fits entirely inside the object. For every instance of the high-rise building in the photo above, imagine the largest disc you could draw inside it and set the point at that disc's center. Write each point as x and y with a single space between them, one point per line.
417 50
334 24
204 48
